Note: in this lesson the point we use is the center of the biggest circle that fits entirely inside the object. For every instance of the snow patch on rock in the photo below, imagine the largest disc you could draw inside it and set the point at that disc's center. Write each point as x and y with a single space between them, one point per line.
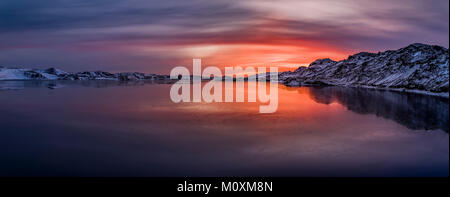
419 67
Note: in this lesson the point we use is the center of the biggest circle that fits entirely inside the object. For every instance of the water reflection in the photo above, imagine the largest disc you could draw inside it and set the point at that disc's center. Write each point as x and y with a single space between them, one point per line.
109 128
414 111
51 84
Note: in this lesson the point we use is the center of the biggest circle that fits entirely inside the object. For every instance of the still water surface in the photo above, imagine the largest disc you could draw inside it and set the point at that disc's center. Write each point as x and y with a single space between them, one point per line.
101 128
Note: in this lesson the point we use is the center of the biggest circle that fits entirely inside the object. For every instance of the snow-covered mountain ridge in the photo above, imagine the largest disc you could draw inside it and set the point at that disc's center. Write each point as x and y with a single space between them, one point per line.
415 67
57 74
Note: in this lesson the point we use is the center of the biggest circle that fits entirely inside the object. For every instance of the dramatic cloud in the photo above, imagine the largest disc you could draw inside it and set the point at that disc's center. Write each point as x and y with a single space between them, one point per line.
154 36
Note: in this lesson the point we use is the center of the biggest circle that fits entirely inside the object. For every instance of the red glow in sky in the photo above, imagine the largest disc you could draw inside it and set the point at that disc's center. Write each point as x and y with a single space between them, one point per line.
156 36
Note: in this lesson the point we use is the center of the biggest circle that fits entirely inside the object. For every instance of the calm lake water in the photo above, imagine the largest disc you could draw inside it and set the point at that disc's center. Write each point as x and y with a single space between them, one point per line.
105 128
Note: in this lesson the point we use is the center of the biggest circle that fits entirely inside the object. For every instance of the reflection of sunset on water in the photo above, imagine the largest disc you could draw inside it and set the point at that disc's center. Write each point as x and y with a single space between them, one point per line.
316 131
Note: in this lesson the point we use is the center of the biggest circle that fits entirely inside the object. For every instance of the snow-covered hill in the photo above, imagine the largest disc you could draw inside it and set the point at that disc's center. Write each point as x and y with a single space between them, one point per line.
57 74
415 67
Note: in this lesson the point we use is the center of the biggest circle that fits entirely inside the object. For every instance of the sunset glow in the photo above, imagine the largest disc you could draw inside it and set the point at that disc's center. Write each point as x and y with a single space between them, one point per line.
157 36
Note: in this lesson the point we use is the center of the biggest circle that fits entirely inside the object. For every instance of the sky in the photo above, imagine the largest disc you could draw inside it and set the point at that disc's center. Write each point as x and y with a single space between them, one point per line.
155 36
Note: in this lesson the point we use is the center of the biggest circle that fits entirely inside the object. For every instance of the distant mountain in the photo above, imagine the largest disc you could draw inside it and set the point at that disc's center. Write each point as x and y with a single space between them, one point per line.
415 67
57 74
